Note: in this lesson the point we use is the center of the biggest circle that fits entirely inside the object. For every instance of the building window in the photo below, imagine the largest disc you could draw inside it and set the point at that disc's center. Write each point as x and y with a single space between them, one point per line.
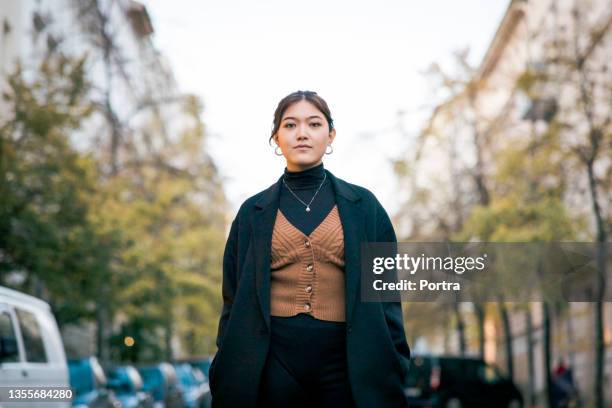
38 21
139 18
541 109
6 27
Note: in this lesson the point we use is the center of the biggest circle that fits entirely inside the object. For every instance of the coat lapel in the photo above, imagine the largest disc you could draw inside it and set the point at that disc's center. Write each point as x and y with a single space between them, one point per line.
263 225
352 218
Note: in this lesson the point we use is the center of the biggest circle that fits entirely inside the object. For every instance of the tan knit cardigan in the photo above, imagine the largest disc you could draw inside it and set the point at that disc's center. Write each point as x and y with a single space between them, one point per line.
307 272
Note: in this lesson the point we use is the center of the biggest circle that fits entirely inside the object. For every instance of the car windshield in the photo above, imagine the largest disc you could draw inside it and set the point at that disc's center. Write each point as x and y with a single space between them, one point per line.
199 376
204 366
185 375
454 368
152 378
120 380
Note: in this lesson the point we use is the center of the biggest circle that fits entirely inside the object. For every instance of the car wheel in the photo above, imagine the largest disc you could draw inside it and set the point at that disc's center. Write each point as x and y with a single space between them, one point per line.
453 403
515 404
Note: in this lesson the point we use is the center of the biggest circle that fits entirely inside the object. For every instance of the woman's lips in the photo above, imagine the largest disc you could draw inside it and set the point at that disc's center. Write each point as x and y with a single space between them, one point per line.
302 147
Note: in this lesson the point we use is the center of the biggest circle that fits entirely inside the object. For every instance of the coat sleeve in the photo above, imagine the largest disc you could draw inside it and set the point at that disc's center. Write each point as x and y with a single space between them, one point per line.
230 278
393 310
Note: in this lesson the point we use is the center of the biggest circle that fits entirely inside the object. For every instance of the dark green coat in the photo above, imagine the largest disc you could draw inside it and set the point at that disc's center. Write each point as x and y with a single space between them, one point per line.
377 350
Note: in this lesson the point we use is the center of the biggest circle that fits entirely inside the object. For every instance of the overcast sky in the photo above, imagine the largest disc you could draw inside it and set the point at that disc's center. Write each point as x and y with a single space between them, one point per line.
366 58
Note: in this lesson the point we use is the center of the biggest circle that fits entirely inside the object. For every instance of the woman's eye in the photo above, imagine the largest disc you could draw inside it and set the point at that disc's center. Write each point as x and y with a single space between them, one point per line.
316 124
288 125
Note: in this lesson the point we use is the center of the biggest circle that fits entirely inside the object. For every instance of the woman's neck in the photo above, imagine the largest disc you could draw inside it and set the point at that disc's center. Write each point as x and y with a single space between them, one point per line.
306 179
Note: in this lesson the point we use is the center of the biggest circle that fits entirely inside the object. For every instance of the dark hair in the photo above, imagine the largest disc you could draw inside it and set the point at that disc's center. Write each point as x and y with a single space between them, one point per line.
295 97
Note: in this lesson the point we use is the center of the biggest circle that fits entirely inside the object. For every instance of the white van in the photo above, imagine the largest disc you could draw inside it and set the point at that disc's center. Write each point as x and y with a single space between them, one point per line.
31 348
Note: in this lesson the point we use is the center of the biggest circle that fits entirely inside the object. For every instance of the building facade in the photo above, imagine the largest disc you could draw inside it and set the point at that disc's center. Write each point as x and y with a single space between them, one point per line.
542 58
132 87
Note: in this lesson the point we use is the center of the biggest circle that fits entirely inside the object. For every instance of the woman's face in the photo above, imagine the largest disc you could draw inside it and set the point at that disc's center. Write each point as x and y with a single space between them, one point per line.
303 136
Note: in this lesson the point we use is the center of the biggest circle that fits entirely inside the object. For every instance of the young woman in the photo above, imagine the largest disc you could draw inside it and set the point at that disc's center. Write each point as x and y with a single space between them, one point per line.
293 331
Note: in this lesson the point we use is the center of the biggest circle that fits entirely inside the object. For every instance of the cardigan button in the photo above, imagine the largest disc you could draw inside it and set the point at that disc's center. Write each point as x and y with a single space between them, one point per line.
307 243
308 289
309 268
307 307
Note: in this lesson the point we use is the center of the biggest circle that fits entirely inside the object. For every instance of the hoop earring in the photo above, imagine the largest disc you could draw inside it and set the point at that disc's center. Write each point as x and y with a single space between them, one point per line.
276 151
331 151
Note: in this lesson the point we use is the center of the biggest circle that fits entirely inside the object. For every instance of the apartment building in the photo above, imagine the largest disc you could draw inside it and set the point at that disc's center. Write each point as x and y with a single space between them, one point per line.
497 111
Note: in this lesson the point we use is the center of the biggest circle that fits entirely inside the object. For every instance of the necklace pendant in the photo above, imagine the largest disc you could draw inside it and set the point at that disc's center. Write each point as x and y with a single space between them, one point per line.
307 208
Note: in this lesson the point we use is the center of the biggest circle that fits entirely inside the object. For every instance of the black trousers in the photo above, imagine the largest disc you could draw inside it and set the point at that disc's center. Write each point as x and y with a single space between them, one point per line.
306 365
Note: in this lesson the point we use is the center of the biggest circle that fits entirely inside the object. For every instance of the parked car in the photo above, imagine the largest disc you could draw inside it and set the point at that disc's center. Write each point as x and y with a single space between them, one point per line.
442 381
201 363
89 383
160 380
31 348
194 385
127 384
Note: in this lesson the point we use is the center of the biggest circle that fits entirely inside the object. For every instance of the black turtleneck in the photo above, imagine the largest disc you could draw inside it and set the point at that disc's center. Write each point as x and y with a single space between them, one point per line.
304 184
